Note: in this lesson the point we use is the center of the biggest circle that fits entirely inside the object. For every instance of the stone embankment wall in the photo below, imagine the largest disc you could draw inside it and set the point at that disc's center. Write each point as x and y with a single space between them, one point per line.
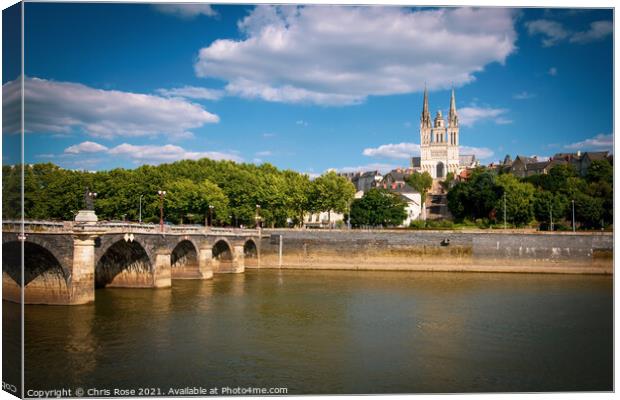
439 251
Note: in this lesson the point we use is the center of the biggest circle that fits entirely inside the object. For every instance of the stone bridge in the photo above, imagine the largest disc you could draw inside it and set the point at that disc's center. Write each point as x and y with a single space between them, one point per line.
65 261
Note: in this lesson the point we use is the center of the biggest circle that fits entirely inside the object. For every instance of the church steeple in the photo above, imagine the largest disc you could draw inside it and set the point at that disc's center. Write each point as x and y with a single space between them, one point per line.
453 119
426 115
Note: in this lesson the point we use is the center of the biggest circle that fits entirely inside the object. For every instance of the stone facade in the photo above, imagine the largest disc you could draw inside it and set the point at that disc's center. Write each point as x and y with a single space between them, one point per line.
439 143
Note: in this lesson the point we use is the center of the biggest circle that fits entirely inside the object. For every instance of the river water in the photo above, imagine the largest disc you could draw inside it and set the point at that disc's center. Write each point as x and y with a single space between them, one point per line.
318 332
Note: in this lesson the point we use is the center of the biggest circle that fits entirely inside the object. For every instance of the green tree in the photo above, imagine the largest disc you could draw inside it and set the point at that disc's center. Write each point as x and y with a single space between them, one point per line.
331 192
421 182
378 207
519 199
600 171
548 205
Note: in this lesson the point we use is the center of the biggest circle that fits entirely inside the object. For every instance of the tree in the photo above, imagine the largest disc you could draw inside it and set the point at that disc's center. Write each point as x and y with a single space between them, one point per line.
548 206
378 207
600 171
331 192
421 182
519 202
186 199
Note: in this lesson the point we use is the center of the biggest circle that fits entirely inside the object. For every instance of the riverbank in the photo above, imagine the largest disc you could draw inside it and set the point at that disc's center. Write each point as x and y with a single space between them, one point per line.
456 251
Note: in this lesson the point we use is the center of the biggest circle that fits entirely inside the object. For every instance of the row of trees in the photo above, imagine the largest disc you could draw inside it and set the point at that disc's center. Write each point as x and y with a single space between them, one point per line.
232 189
544 198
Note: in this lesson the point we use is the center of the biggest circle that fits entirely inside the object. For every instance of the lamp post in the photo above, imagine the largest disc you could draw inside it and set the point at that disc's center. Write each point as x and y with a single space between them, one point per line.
140 209
504 210
550 217
161 194
257 216
573 201
211 214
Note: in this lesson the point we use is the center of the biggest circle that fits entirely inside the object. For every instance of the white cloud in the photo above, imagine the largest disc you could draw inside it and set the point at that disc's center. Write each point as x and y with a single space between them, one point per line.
151 154
481 153
192 92
598 142
394 151
381 167
598 30
553 32
469 116
407 150
339 55
301 122
269 135
60 107
553 71
264 153
187 11
524 95
86 147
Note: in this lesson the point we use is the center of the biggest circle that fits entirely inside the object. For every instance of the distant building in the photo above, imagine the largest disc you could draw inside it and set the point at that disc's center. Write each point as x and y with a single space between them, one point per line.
523 166
363 181
394 181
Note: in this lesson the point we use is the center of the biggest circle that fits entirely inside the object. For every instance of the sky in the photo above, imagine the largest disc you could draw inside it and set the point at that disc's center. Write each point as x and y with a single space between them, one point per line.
307 88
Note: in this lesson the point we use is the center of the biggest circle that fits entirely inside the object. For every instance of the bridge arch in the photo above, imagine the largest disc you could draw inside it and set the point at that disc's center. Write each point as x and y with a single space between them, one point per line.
250 253
124 264
184 261
45 279
223 256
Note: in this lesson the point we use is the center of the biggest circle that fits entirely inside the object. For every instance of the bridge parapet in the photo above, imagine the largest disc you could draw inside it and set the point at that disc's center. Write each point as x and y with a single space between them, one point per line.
106 227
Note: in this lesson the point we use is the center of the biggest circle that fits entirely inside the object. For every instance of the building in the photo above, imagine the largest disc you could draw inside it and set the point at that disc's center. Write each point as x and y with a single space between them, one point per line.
439 144
523 166
394 181
363 181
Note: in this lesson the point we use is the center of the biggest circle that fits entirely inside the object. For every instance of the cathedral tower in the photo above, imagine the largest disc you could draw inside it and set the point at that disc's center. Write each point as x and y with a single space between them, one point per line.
439 143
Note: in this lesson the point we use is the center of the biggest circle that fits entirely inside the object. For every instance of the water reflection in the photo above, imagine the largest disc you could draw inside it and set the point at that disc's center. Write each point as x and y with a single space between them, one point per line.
334 332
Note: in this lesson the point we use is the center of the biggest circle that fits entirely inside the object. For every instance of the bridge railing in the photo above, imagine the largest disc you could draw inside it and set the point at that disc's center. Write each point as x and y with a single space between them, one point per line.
122 227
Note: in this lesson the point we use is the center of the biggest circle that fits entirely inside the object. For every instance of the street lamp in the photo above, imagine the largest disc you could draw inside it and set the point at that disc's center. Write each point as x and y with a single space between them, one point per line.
211 214
550 217
161 194
573 201
257 216
140 210
504 210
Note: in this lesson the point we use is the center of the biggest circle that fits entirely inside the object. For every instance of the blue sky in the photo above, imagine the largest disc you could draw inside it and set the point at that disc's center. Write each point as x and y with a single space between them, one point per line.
308 88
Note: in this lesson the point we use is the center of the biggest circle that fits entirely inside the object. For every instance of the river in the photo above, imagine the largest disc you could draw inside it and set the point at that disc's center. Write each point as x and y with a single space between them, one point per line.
318 332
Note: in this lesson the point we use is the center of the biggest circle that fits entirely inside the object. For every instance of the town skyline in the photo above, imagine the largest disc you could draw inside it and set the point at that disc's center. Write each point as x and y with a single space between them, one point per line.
532 82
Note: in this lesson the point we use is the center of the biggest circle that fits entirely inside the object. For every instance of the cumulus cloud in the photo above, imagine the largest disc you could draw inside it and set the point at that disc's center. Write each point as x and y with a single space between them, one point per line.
186 11
481 153
340 55
598 142
407 150
524 95
553 32
394 151
469 116
61 107
151 154
598 30
192 92
86 147
381 167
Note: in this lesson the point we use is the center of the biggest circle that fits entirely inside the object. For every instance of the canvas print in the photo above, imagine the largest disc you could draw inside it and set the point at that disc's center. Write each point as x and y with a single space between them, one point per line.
300 199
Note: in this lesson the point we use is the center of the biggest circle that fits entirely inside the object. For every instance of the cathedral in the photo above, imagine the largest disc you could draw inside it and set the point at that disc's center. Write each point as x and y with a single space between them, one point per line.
439 142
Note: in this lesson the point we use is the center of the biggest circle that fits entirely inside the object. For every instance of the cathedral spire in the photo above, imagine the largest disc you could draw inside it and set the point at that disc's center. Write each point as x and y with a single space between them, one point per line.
426 115
452 117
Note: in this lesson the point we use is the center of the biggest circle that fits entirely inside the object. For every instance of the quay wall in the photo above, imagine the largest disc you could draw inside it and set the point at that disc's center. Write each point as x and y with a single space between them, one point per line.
438 251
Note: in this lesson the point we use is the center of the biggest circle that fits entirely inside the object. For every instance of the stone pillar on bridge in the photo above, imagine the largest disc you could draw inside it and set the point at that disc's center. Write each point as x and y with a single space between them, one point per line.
238 259
162 275
205 262
82 283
